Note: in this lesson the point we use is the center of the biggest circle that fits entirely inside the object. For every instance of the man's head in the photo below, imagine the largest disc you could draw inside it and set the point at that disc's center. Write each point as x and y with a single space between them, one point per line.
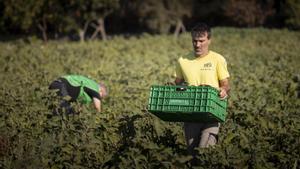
103 90
201 35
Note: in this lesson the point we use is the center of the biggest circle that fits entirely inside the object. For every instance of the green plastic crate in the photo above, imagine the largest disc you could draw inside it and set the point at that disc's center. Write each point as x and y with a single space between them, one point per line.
187 104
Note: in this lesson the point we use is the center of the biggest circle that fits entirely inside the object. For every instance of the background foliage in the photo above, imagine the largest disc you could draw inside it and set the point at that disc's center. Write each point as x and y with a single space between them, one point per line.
262 129
78 19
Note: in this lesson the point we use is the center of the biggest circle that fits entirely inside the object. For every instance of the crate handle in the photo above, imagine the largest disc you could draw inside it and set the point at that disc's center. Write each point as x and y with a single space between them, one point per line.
181 89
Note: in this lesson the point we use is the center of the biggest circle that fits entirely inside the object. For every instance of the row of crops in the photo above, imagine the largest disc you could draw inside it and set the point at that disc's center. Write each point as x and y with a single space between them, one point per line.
262 129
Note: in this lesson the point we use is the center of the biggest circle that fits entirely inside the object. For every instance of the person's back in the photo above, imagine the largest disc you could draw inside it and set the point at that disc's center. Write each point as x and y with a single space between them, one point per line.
79 88
83 89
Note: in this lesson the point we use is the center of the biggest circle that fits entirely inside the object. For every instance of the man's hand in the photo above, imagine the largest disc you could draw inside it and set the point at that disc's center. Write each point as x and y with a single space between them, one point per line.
223 93
97 104
170 83
224 88
178 81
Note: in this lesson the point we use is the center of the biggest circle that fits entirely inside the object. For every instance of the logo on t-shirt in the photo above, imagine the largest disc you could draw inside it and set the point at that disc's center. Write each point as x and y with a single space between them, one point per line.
207 65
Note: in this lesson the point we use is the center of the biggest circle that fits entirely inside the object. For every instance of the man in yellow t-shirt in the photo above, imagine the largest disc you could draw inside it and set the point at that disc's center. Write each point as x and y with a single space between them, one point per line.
202 67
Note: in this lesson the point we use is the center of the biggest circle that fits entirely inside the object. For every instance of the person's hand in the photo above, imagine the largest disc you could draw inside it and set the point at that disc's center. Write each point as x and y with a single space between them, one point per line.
97 104
170 83
223 93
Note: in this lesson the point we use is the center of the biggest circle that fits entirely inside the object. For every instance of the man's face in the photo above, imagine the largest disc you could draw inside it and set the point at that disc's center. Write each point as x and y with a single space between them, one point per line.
200 44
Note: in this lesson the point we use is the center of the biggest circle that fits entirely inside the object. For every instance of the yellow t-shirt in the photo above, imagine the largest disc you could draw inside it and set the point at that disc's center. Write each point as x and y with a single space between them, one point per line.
207 70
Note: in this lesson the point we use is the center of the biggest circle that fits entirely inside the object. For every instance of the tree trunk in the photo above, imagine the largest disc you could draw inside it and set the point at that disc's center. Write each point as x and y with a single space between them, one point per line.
179 26
43 28
100 28
82 32
81 35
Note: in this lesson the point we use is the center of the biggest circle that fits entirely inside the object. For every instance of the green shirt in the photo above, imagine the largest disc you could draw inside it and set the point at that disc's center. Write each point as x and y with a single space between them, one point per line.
82 81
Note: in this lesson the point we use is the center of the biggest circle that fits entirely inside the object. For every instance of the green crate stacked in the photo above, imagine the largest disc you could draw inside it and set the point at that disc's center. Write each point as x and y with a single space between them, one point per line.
187 104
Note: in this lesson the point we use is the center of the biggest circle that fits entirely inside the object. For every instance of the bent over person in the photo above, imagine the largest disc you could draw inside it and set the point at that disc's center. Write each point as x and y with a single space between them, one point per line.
202 67
79 88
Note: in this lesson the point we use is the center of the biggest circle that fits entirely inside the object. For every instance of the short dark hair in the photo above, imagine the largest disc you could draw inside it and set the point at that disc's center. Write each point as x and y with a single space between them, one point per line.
200 29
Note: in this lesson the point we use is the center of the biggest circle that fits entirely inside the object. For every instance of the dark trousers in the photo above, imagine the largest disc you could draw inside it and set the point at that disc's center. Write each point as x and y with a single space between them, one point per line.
64 106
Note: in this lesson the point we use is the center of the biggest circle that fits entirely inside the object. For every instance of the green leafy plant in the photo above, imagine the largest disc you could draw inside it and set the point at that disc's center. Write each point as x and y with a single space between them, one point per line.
261 130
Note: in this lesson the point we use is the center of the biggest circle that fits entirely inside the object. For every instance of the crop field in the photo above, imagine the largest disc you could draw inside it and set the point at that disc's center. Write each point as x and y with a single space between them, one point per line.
262 129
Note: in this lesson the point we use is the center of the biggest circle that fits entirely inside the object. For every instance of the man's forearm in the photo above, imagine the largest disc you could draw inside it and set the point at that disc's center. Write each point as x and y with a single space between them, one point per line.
224 88
97 104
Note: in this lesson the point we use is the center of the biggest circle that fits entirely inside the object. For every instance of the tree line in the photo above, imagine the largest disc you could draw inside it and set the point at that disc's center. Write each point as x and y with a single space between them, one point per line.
93 19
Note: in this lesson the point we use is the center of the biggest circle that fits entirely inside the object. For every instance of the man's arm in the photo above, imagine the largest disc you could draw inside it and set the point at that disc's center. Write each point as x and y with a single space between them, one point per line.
224 88
97 104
